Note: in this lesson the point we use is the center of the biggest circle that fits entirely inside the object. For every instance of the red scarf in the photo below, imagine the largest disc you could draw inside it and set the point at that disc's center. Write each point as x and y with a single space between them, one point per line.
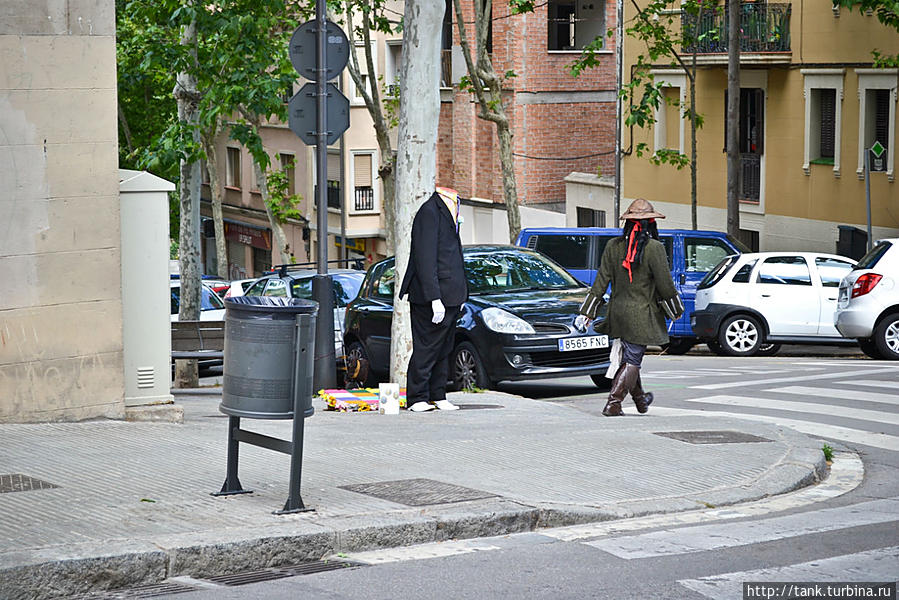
631 252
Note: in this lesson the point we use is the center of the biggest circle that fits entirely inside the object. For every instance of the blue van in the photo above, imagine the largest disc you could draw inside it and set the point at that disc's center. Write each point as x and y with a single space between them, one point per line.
691 254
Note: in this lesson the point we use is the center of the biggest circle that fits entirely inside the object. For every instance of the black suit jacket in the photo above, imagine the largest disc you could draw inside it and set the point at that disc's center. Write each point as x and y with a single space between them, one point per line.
436 269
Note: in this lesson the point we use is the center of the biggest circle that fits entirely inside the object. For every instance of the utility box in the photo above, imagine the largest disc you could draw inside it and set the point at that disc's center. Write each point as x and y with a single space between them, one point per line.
146 299
853 242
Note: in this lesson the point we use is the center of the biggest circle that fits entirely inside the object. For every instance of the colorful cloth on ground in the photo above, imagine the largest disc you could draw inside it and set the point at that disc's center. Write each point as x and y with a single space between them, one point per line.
361 400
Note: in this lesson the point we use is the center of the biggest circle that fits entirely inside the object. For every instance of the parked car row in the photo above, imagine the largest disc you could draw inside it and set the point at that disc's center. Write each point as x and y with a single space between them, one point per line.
518 322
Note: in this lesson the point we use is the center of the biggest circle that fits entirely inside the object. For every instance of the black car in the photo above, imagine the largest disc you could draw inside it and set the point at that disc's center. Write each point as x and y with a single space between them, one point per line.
518 322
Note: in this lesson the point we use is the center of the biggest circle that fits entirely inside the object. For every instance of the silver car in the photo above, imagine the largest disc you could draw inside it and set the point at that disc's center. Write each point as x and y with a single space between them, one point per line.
868 305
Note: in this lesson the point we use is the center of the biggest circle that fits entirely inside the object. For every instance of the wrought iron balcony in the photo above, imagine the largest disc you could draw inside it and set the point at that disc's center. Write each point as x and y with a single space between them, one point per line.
365 199
764 28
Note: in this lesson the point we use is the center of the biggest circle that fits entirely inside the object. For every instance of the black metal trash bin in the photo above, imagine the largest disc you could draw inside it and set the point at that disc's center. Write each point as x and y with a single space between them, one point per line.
269 353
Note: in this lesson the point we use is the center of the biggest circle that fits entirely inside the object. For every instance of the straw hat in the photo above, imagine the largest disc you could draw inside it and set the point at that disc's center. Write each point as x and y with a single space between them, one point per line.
641 209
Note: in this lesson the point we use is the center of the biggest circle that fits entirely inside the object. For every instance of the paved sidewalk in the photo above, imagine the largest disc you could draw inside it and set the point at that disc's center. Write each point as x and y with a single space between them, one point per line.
132 504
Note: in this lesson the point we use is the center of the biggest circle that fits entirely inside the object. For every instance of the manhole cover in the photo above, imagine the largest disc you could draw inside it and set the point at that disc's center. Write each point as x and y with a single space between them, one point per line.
418 492
17 482
712 437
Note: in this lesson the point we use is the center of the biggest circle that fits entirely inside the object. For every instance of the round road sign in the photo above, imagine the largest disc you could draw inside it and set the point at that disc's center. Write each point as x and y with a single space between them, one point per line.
302 50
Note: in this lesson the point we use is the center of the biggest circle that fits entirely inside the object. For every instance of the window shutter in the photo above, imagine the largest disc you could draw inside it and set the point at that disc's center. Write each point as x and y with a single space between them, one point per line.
362 170
333 167
759 121
828 122
881 116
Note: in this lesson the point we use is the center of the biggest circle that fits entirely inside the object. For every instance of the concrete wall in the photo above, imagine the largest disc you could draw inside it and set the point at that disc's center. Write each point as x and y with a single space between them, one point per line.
60 261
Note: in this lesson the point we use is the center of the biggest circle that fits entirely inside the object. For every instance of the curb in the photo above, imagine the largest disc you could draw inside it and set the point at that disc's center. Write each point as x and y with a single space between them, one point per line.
67 570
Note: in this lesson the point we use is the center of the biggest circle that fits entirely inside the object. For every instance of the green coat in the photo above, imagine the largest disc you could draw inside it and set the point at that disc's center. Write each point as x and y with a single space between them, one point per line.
633 313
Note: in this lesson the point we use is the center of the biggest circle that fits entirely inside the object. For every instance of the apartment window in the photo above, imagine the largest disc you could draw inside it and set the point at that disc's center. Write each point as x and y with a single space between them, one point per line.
573 24
356 97
333 183
393 66
669 126
233 175
823 118
289 166
877 119
363 191
588 217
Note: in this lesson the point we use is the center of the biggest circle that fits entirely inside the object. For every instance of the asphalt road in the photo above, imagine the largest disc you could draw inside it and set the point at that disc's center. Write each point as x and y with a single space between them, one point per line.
844 530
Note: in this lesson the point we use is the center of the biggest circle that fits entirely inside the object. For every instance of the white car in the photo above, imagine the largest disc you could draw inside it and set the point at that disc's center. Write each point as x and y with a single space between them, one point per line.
211 306
238 287
750 300
868 308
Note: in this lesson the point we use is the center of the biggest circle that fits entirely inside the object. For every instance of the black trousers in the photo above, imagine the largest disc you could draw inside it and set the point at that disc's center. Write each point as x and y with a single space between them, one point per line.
432 343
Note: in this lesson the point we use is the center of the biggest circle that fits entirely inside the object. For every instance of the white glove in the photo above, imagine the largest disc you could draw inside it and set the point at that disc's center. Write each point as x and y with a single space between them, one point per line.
581 322
439 311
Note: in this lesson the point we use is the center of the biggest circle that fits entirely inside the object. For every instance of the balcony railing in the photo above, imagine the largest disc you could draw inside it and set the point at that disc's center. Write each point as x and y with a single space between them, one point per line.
763 28
365 199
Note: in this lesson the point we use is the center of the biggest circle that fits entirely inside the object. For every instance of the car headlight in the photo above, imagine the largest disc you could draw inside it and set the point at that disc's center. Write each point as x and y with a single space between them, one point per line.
502 321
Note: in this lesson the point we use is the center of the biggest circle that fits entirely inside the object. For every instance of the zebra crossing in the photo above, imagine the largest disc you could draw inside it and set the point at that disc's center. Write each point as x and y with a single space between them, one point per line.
871 565
863 400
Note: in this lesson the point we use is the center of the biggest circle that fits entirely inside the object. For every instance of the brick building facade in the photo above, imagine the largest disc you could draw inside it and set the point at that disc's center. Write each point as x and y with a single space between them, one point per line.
560 123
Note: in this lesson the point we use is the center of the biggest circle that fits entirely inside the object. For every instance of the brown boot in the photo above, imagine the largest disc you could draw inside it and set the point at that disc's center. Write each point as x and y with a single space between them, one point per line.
641 399
621 384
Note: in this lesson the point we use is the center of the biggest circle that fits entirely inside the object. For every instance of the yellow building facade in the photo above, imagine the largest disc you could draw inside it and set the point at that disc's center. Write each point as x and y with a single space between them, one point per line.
811 106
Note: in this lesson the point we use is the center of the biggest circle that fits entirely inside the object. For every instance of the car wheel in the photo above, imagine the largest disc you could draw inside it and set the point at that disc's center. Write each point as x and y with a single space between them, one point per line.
768 349
740 335
602 382
466 370
678 346
358 374
886 337
870 348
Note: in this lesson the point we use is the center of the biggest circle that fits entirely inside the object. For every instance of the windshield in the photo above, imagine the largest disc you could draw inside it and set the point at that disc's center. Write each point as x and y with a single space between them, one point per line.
209 300
874 254
346 287
715 275
514 270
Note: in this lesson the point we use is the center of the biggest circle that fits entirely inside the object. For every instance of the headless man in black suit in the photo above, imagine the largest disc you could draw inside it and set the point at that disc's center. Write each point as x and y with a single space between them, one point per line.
436 285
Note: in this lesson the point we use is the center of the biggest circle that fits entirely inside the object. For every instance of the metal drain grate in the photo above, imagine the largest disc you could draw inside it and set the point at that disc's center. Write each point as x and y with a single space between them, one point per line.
17 482
418 492
246 577
712 437
271 574
144 591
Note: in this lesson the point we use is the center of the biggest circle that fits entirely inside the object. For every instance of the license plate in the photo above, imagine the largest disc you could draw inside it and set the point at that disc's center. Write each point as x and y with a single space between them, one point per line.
583 343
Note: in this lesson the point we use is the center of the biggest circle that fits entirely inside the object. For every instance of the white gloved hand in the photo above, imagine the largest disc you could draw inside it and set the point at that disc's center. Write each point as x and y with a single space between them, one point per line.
581 322
439 311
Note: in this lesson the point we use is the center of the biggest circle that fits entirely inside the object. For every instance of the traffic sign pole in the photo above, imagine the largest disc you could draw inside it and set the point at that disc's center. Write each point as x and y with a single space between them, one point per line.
325 359
319 114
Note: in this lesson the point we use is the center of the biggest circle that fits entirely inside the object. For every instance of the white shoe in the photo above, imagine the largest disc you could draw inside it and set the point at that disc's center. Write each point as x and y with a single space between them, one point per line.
445 405
422 407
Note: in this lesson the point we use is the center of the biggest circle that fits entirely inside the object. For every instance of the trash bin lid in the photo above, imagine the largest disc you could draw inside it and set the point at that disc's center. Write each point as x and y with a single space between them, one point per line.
269 304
